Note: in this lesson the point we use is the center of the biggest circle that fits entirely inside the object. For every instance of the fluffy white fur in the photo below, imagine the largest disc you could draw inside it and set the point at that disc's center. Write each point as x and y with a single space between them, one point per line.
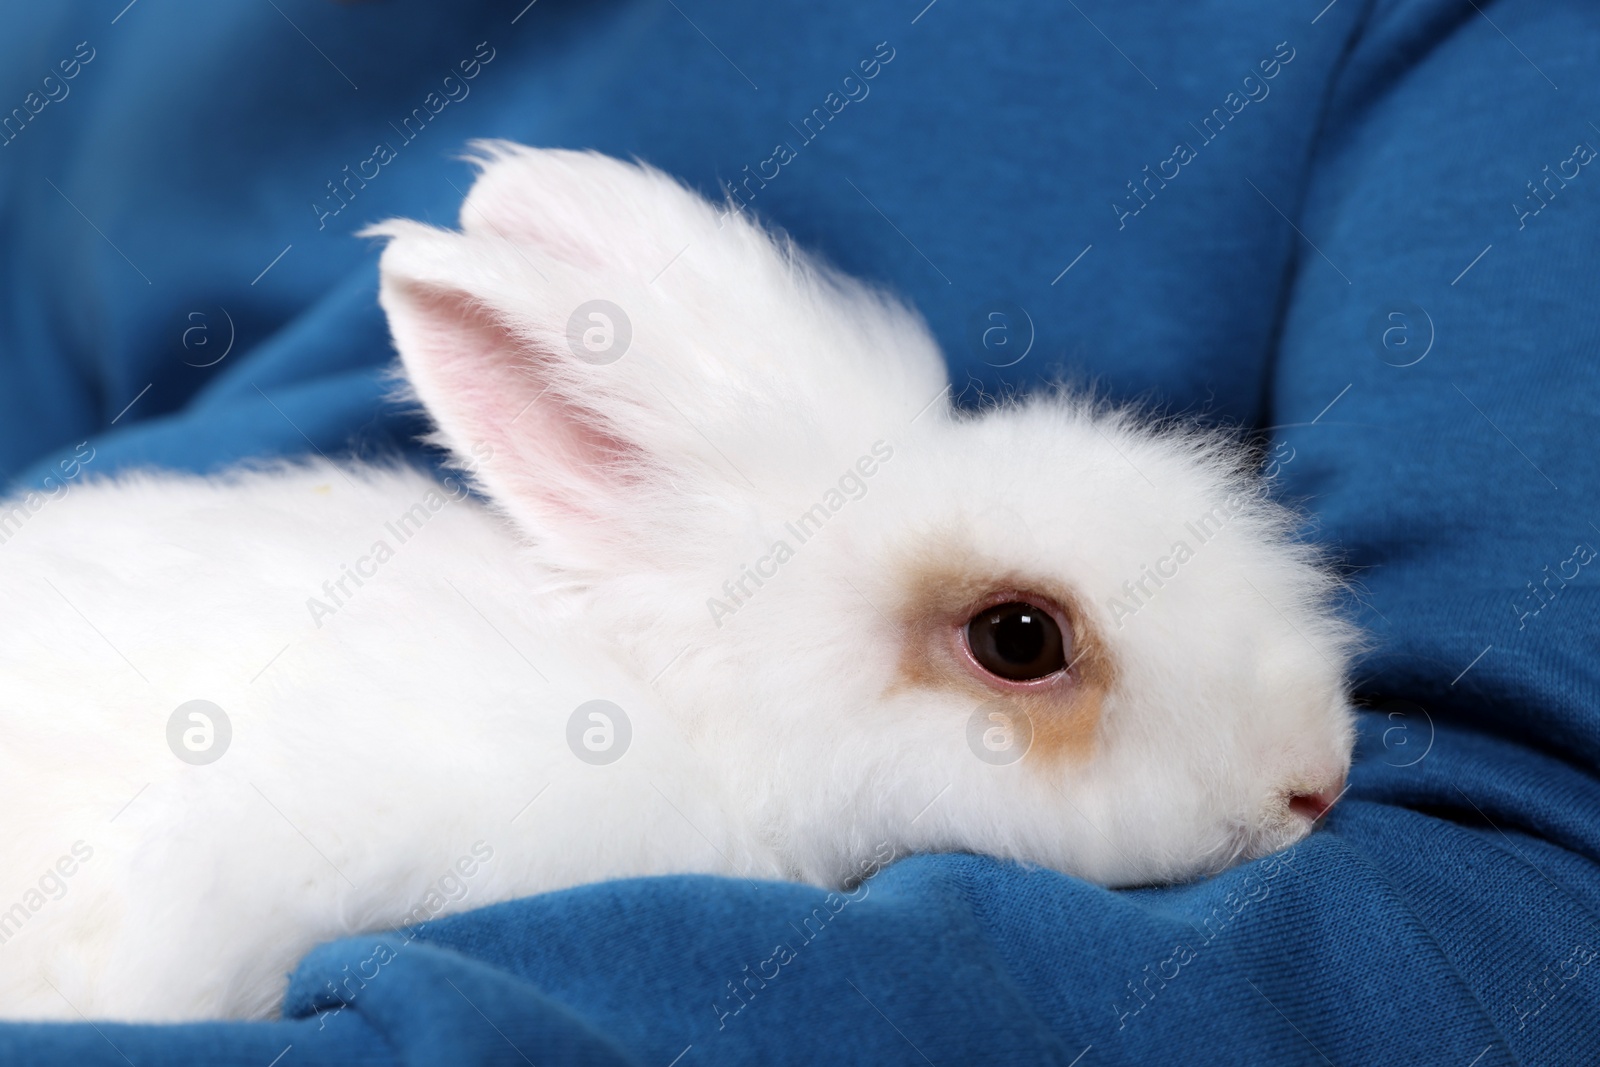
425 714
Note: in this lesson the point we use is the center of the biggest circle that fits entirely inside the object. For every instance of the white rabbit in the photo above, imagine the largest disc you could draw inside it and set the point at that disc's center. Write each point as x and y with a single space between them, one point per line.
835 619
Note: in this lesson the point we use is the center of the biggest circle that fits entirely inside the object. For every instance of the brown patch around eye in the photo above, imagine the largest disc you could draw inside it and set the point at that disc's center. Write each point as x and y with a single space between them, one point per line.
943 596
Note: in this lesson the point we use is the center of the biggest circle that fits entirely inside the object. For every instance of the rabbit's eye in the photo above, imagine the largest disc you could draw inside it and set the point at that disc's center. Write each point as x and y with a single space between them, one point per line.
1017 641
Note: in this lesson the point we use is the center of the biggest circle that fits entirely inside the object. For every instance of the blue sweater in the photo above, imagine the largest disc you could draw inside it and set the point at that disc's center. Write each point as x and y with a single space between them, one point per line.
1362 229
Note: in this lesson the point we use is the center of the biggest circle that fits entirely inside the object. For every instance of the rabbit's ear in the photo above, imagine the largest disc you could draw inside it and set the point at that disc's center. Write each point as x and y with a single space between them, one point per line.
623 355
582 207
536 416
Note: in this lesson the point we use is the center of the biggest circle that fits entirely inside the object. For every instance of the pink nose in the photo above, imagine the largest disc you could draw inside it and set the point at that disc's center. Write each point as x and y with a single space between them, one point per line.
1315 805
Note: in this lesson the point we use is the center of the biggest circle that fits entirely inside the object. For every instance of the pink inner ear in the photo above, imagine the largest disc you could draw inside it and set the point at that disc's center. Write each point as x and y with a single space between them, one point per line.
484 383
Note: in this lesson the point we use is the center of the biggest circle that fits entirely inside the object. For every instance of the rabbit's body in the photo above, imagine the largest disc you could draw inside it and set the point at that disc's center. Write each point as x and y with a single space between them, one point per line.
369 755
822 601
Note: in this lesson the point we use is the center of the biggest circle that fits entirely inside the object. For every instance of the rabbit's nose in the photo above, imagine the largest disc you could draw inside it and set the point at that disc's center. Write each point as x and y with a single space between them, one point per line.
1314 806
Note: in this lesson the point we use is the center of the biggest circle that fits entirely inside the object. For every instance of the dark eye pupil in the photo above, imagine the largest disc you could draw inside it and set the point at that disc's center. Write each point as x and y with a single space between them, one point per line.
1019 637
1017 641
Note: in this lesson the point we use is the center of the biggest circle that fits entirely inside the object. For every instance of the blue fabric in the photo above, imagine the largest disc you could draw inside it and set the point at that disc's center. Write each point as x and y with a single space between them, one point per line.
1383 262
